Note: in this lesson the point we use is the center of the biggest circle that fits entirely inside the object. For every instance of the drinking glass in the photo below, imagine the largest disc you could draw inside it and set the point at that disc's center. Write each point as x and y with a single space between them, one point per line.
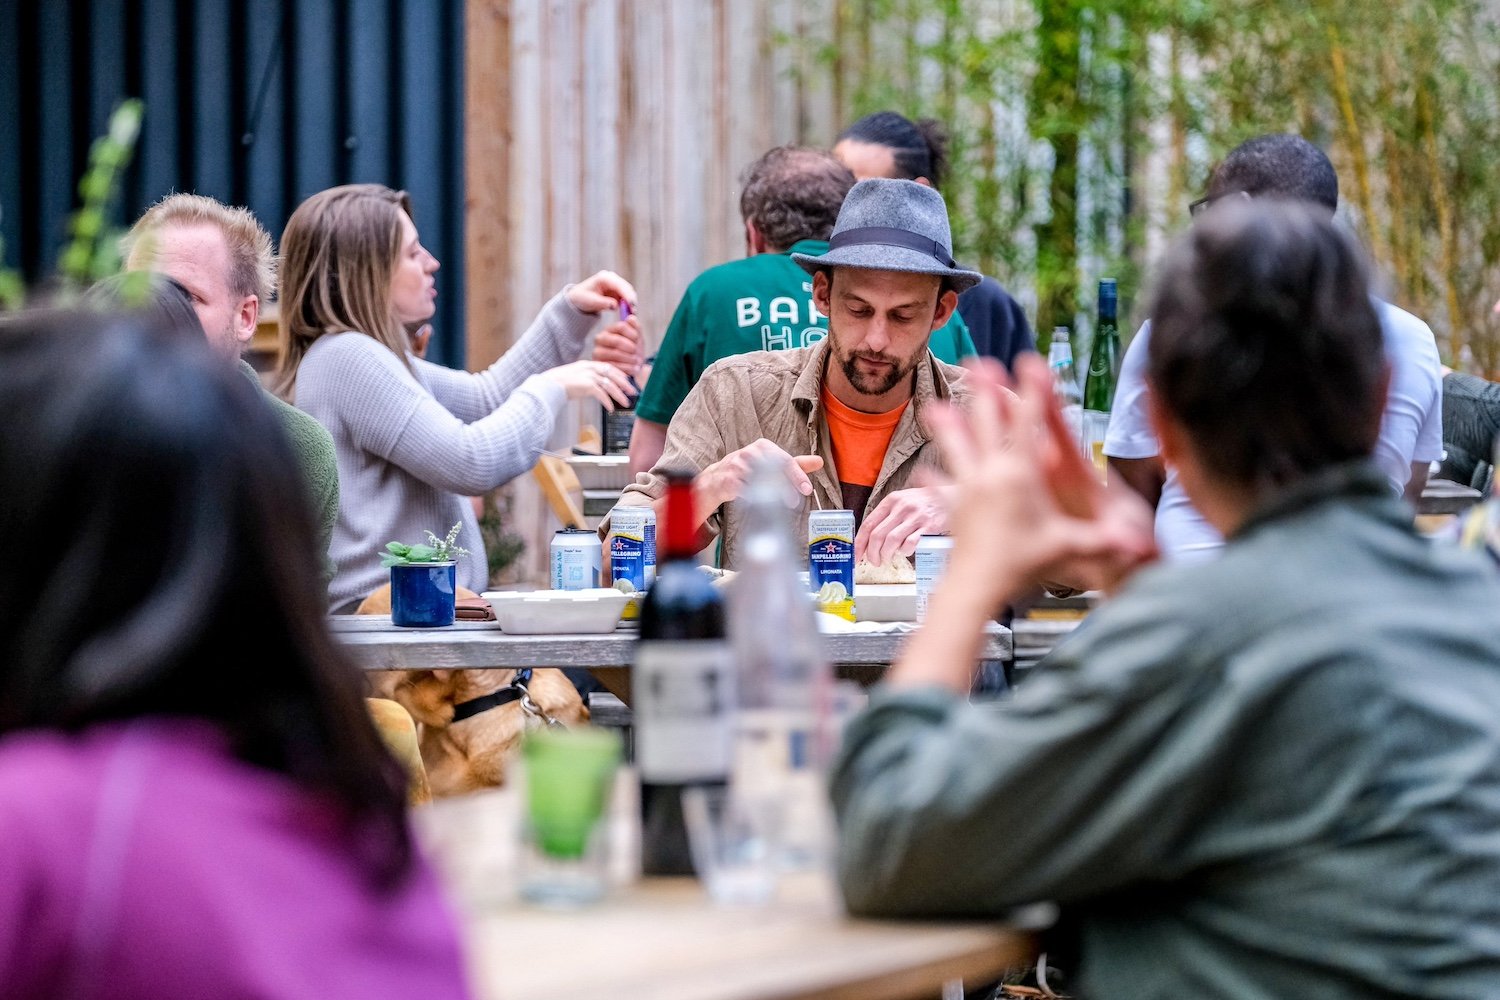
569 775
734 843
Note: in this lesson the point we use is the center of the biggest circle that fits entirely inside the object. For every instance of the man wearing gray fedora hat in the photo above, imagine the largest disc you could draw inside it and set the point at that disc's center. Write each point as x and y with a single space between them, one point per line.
844 416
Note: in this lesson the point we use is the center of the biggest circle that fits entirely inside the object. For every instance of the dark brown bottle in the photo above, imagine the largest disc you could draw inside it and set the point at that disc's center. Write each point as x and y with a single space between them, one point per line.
683 688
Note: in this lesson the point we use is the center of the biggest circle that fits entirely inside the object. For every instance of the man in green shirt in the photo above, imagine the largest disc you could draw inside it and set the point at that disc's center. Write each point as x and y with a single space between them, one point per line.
1272 775
223 257
764 302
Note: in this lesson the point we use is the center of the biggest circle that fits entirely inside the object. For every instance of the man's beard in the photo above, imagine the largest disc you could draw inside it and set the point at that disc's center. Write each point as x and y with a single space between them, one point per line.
229 342
878 385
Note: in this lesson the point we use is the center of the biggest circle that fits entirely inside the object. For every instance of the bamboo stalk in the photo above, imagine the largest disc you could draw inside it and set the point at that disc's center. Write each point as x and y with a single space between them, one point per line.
838 65
1356 143
867 15
1395 181
1447 235
1177 162
949 105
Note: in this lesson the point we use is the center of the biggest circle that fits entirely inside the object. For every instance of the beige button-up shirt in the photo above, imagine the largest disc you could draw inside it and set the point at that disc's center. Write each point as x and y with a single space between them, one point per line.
776 395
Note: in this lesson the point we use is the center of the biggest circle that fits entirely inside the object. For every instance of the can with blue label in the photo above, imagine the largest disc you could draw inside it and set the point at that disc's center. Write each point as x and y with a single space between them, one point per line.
830 560
576 556
632 546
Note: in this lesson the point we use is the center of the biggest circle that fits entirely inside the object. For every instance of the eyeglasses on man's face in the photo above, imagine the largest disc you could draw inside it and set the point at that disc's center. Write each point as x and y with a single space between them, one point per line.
1196 208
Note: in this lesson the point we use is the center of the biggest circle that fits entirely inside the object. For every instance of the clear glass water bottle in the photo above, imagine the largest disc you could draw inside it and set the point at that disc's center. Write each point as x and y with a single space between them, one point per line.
782 727
1065 382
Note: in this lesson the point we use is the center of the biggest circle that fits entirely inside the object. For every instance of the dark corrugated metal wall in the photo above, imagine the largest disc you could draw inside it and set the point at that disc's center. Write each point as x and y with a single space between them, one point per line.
254 103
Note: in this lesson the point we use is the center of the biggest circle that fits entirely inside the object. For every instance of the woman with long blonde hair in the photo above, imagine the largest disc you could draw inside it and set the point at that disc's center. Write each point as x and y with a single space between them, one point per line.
414 439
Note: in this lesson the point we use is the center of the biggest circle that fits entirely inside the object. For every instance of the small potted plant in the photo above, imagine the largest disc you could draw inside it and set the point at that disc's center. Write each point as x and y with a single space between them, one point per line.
424 580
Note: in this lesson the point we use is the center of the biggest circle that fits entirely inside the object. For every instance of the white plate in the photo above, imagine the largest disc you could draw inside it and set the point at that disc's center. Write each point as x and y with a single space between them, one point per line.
885 602
557 612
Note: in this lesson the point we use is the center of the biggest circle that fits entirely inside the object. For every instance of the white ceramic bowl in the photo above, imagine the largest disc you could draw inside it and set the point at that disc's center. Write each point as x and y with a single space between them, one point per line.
885 602
557 612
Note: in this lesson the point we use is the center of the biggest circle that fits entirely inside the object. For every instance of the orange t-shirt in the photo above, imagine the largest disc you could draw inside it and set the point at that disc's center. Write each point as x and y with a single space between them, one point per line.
859 442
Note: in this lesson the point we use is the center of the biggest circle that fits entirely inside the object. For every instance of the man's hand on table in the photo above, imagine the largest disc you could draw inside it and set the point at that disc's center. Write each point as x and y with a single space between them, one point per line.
725 479
900 520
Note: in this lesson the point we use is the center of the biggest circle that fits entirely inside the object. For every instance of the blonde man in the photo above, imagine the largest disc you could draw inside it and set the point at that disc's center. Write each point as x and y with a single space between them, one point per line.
223 257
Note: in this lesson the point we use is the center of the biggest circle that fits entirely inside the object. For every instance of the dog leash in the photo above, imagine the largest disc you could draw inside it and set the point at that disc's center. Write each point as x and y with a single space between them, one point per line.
516 690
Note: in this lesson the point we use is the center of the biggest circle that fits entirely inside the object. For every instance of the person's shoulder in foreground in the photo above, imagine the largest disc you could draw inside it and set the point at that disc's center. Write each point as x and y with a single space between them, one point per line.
149 847
1213 755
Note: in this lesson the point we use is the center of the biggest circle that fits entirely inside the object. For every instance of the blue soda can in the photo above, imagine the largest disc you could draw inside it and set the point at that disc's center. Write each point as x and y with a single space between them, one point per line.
632 546
575 559
830 560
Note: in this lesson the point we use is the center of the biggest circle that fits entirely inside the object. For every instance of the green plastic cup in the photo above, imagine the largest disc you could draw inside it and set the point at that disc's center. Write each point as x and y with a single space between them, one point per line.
569 773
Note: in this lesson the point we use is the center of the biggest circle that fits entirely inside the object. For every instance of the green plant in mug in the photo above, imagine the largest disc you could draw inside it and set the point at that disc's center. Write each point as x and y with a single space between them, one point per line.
434 550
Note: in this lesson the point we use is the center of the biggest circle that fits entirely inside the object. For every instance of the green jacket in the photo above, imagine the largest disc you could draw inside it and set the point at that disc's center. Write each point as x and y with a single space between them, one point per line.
1276 775
760 303
314 449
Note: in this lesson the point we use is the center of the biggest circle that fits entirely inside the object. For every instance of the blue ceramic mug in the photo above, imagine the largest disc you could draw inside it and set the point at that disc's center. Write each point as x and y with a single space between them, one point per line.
423 594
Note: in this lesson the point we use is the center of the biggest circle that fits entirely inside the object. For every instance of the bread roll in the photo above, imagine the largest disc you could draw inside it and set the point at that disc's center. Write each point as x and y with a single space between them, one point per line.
898 570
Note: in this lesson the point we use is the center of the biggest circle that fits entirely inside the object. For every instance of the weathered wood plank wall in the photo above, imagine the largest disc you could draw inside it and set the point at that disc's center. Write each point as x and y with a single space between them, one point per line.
611 134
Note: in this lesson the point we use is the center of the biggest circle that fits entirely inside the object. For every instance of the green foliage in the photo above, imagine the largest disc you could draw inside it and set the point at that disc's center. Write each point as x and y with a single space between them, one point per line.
502 547
436 550
1082 128
92 251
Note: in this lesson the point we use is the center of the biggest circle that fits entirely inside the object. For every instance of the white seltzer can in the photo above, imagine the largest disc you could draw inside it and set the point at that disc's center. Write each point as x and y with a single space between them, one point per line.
576 555
931 559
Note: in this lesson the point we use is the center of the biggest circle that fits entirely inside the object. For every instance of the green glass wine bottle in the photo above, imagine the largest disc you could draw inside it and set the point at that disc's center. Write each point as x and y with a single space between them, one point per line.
1104 371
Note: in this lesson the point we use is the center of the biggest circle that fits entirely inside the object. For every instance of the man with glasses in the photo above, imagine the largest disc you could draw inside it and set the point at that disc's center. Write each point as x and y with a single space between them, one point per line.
1411 431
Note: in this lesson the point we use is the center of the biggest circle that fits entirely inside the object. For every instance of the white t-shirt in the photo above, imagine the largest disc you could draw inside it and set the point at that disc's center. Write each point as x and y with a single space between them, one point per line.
1411 430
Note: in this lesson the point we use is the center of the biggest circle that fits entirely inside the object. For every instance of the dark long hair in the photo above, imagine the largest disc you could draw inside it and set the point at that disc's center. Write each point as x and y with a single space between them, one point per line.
918 148
163 563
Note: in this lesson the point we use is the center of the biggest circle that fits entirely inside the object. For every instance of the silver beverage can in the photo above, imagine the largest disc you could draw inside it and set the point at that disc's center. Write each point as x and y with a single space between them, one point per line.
576 557
930 561
830 560
632 545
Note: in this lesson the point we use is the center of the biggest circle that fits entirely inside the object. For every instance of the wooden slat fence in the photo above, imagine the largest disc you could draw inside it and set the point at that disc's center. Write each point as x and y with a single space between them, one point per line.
611 134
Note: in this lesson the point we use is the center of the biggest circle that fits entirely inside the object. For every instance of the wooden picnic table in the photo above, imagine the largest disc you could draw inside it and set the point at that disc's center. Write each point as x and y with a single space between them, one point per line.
662 938
1443 496
376 644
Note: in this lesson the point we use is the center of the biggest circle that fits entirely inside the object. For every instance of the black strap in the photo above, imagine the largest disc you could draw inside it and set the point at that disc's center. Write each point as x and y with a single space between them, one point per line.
511 692
890 237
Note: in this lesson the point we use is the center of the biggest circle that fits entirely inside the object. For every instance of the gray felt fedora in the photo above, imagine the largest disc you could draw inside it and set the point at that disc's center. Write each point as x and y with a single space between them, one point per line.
888 225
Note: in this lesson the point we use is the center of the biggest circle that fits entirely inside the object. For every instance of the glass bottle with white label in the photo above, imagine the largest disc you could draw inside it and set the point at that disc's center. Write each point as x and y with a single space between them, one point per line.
683 688
782 733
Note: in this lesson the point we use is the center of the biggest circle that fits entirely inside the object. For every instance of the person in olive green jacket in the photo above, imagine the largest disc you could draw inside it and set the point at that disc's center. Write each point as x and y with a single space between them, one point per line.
1272 775
223 257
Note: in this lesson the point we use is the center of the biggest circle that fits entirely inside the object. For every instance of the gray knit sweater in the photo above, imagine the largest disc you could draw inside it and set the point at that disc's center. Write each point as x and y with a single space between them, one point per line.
412 445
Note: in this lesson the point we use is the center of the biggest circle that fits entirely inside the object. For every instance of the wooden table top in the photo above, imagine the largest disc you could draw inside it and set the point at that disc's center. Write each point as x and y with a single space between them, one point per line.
1442 496
376 644
664 939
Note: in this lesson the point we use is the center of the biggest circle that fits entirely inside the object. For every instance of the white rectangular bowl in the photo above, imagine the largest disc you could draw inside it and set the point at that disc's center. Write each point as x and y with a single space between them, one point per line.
557 612
885 602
